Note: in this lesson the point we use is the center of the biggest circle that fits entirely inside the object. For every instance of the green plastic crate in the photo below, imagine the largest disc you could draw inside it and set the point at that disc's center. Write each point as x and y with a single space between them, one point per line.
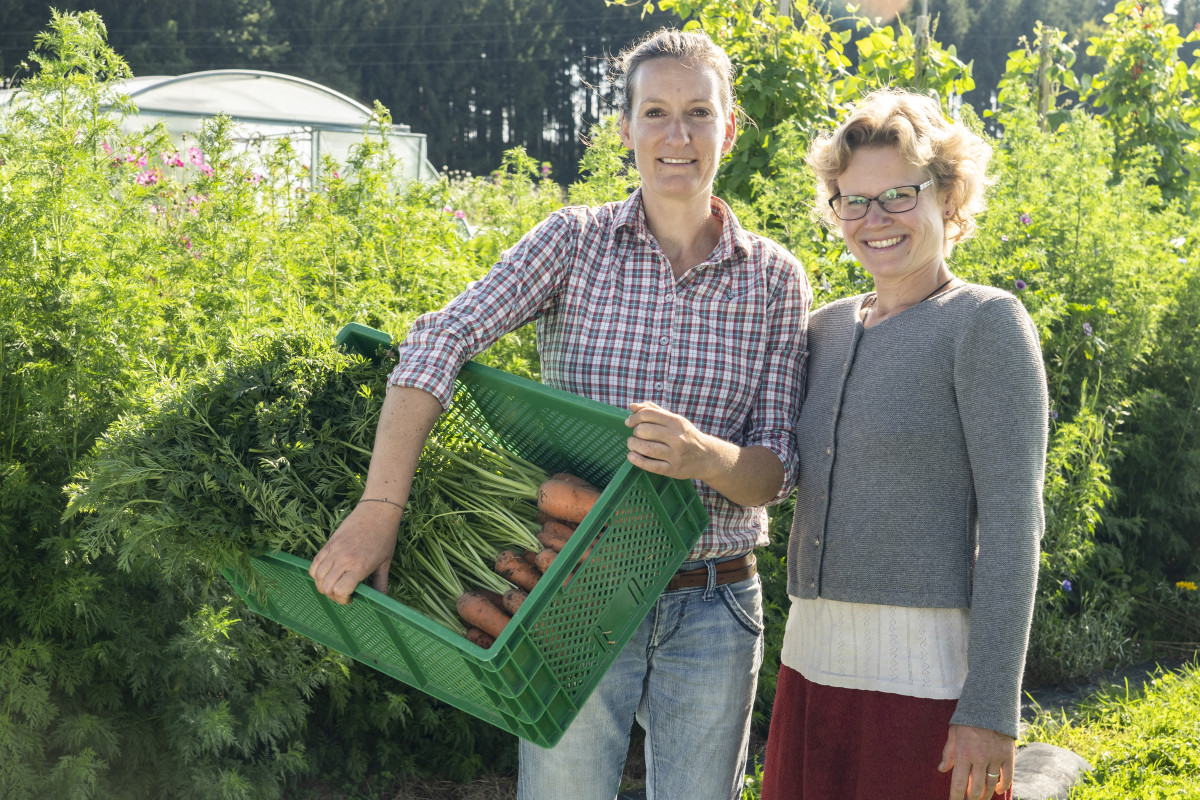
534 679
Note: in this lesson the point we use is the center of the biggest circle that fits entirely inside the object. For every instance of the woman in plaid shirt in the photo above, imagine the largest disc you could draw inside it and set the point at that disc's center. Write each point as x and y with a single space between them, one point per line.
664 305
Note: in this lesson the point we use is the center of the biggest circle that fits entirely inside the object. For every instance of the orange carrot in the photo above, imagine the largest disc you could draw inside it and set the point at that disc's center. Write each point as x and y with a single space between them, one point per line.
565 501
529 556
554 535
480 638
516 570
481 611
545 558
574 480
513 599
543 518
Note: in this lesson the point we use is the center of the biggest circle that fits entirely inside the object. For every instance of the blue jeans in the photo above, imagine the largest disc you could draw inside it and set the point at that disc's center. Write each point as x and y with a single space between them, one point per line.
688 676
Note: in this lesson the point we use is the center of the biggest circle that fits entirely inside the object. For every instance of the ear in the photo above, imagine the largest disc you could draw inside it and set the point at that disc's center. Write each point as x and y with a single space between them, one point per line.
623 127
731 131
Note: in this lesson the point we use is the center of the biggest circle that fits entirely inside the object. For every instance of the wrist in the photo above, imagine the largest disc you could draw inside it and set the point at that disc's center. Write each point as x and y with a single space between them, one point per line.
383 502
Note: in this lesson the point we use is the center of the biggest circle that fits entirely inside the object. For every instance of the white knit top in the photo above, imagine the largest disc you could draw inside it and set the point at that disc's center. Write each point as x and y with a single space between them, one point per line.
918 652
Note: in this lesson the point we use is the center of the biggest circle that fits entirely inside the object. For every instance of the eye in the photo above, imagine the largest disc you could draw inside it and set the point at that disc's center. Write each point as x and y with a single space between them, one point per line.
853 200
900 192
701 112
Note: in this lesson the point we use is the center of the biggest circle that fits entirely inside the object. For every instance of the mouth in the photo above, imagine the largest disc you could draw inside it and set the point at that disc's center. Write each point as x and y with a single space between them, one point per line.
882 244
678 160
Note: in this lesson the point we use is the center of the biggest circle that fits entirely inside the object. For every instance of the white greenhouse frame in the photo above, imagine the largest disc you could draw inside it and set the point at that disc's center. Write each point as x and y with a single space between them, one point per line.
266 105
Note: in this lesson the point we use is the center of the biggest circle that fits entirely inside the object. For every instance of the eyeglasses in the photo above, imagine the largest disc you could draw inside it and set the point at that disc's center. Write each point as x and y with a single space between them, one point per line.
894 201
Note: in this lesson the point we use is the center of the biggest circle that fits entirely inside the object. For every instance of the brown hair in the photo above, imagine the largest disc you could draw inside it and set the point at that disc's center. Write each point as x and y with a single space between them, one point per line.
680 45
956 157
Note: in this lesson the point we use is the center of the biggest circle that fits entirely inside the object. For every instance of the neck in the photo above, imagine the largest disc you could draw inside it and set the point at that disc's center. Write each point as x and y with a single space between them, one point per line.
687 232
891 300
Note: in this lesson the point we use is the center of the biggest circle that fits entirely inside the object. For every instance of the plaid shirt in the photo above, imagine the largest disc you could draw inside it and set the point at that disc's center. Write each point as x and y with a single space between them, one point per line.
723 346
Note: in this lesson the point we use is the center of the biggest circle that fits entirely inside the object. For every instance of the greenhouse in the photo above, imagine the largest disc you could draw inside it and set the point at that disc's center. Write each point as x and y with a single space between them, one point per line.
265 106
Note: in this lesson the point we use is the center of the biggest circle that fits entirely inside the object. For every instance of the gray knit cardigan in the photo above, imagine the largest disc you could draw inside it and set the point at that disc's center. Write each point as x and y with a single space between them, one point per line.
922 447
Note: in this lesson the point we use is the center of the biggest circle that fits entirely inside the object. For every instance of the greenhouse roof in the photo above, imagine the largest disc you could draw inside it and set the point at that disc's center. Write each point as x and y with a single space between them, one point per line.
263 106
246 94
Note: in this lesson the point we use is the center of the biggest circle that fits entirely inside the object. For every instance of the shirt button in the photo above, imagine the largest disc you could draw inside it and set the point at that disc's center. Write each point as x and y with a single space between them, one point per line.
811 584
658 386
663 340
828 451
816 542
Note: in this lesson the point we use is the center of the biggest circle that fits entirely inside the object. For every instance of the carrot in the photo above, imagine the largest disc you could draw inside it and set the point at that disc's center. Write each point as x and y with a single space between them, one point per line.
574 480
565 501
513 599
479 610
554 535
542 518
545 558
530 556
480 638
516 570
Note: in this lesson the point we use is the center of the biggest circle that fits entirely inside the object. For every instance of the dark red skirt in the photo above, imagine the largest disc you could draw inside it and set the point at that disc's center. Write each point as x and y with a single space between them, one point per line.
850 744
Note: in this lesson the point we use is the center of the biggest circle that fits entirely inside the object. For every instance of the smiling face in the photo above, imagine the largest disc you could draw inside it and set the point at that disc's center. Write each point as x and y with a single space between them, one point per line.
897 249
677 128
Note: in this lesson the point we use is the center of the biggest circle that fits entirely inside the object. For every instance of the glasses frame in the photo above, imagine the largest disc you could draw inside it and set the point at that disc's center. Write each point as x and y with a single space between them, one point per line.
867 208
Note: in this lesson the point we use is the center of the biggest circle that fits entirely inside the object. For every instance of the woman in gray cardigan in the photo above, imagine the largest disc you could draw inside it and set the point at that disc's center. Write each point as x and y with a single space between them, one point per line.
914 550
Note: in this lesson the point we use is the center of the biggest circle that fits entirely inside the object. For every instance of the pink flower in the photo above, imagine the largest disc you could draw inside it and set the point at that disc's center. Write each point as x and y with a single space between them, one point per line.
171 160
448 209
460 214
104 146
195 156
1026 219
207 170
148 178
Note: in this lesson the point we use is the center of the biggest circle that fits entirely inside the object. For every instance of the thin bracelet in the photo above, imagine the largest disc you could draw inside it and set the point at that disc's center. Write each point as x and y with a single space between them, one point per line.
380 500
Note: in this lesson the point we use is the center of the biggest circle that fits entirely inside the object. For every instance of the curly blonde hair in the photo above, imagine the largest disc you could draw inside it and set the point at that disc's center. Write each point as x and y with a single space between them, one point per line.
955 157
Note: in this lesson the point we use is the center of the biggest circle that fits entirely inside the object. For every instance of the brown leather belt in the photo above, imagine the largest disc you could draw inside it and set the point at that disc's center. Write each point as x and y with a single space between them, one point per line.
738 569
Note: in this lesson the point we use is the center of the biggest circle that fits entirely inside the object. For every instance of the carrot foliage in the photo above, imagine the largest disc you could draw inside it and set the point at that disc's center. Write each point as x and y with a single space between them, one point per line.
270 451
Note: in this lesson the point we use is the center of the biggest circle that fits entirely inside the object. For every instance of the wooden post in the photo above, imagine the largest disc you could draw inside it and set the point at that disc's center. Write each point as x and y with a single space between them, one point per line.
1043 76
922 46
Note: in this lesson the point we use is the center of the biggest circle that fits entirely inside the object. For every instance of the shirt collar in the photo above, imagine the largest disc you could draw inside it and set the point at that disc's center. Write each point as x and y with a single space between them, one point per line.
631 217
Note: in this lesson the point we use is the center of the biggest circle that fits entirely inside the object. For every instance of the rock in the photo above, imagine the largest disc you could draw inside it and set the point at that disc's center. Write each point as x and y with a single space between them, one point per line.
1045 772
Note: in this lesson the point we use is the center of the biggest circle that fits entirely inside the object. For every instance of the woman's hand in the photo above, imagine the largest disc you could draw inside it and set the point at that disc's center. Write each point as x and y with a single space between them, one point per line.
668 444
982 761
361 546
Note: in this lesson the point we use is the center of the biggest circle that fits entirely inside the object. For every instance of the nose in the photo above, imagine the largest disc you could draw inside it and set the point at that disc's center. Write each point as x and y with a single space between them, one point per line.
875 212
677 130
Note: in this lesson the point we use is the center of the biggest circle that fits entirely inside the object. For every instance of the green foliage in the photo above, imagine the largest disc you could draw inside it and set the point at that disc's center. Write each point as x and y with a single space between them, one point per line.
1038 75
1141 742
1147 93
132 283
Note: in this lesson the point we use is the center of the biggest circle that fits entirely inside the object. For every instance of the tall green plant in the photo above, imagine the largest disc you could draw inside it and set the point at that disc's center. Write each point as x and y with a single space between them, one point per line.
1148 94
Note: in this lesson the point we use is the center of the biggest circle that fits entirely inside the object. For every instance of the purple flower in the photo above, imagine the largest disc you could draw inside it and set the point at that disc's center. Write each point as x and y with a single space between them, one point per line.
1003 237
1087 329
1026 219
1053 414
1066 585
1020 284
